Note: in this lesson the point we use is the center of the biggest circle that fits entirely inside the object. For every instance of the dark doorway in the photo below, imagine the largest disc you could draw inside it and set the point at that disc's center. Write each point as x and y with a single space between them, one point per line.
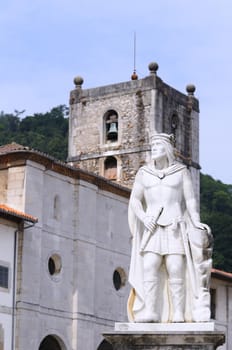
49 343
105 346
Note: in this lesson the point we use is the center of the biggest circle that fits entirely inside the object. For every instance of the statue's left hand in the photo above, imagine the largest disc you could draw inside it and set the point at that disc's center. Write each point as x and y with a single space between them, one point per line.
202 226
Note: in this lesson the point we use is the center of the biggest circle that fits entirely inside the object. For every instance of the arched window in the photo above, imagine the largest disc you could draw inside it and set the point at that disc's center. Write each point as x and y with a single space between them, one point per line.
50 343
111 126
110 168
174 124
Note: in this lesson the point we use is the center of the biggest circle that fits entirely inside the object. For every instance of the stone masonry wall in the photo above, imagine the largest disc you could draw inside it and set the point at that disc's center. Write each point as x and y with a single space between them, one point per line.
88 147
143 106
88 127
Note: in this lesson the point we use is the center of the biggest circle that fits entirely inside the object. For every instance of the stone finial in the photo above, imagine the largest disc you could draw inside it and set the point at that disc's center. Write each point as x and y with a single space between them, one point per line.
190 88
153 67
78 81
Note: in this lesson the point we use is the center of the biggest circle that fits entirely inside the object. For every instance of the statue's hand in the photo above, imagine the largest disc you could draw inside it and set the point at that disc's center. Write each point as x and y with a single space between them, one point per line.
202 226
150 223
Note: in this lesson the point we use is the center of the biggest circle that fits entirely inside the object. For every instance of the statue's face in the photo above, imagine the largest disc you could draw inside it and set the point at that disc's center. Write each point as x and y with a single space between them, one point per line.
158 150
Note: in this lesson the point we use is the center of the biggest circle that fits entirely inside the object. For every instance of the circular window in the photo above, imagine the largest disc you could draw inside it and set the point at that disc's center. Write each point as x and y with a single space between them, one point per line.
54 264
119 278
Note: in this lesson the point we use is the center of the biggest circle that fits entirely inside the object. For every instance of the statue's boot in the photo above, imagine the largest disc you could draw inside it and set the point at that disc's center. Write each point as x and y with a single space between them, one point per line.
178 299
150 292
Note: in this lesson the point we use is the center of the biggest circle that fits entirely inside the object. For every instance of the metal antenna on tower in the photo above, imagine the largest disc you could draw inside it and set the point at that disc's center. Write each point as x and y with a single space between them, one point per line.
134 51
134 75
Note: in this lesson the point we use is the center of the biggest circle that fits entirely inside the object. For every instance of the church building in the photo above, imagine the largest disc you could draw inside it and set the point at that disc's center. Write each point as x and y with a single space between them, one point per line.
63 272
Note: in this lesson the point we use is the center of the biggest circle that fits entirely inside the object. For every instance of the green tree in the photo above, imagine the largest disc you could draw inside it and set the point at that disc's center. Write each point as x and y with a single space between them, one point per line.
46 132
216 211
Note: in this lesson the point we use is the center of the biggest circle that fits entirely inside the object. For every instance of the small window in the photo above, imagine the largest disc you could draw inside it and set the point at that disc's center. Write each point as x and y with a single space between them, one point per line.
54 264
4 277
110 168
119 278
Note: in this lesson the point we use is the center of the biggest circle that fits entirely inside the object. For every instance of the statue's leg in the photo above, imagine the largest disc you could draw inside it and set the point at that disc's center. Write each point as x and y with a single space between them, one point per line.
175 267
151 265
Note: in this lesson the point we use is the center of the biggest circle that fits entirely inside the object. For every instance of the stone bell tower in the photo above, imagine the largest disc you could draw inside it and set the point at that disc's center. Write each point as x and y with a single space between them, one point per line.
110 125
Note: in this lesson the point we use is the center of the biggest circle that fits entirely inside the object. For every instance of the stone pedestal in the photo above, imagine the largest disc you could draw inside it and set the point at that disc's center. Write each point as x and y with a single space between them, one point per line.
166 339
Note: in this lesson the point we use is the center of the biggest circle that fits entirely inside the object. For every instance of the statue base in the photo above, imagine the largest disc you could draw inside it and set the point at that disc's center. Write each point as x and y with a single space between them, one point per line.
165 336
165 327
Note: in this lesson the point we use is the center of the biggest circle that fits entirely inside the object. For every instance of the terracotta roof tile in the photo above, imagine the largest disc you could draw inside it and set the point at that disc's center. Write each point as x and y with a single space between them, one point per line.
17 148
11 147
6 210
221 274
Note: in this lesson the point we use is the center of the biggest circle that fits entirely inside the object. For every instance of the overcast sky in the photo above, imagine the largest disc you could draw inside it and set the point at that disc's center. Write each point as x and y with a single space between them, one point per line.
46 43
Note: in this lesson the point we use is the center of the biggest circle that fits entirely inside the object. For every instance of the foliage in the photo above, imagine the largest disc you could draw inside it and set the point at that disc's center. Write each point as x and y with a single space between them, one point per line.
216 211
47 132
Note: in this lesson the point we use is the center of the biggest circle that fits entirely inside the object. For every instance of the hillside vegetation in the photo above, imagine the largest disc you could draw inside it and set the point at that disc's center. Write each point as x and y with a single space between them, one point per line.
48 133
216 211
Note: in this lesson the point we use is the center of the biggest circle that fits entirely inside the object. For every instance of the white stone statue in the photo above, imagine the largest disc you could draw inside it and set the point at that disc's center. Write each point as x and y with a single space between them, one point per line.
171 249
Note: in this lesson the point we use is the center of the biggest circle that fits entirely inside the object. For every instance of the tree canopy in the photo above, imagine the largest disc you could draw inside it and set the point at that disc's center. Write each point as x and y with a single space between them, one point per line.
48 133
216 211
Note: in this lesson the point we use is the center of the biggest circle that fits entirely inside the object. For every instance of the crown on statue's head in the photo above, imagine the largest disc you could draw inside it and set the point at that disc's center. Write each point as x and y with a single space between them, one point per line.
163 137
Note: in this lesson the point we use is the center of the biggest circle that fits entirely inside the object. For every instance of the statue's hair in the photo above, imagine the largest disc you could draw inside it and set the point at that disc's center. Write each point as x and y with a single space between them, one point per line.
169 150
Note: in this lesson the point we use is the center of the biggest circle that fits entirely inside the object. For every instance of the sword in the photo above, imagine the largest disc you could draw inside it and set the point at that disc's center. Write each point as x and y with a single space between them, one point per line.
189 260
147 233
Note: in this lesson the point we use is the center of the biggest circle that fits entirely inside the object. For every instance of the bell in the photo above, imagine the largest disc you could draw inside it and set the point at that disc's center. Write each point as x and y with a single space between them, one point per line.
112 133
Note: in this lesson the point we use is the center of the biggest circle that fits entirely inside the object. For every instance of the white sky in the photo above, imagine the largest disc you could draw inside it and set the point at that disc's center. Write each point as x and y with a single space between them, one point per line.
46 43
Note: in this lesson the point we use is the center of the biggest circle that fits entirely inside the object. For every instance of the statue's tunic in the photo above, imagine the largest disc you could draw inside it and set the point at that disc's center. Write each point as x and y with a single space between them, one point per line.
164 189
166 240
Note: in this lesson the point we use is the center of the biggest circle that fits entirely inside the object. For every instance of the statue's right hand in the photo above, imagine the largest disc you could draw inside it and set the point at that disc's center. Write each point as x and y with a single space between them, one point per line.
150 223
